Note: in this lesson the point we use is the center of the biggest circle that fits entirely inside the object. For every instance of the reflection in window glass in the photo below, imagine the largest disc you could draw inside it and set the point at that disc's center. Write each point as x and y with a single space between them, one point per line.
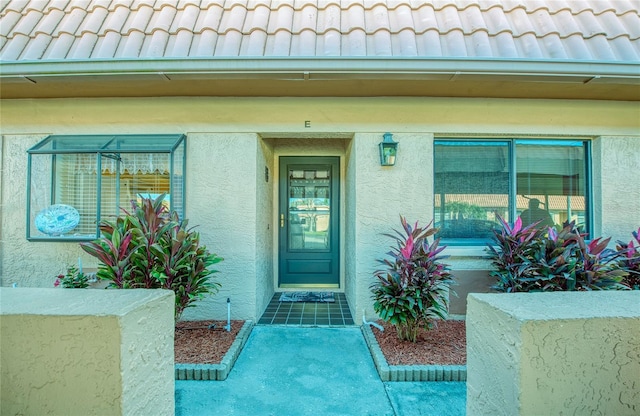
474 182
471 188
309 209
551 182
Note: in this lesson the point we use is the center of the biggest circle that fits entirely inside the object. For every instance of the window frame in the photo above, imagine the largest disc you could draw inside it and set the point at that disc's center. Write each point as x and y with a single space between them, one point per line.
583 142
105 149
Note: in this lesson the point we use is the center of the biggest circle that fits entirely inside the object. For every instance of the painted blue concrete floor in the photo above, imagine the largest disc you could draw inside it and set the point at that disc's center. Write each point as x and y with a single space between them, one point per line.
313 371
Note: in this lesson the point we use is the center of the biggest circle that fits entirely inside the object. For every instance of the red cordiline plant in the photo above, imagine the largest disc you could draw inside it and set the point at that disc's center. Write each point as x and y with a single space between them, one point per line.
512 248
630 260
530 259
150 247
413 288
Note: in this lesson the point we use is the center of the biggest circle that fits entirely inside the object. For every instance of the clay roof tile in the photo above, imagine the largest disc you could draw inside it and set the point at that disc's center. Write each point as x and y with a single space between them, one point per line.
582 30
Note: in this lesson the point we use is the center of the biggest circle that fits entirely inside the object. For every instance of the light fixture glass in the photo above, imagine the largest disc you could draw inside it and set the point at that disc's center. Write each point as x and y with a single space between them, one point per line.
388 150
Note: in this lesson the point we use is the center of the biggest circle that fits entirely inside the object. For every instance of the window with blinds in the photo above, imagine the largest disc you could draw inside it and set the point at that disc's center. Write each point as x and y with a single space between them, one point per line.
543 181
74 182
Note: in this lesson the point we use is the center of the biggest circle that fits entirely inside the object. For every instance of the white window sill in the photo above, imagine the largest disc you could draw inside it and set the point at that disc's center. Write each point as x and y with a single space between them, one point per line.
465 251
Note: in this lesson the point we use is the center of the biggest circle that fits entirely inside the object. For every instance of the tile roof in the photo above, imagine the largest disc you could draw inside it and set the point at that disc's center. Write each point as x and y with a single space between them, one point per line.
531 30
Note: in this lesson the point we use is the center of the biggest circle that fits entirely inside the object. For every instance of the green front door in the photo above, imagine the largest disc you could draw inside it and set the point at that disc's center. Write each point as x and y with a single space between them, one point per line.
309 252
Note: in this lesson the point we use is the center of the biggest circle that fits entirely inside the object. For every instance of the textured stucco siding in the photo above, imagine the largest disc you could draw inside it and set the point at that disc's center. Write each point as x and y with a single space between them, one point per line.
553 353
72 352
221 201
2 186
350 228
492 366
34 264
382 194
618 185
265 228
328 116
147 350
231 140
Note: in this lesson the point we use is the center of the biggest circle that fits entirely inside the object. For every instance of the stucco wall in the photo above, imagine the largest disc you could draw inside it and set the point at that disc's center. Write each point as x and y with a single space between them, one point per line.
221 200
2 186
382 194
350 227
265 229
618 187
553 353
443 116
226 194
81 352
34 264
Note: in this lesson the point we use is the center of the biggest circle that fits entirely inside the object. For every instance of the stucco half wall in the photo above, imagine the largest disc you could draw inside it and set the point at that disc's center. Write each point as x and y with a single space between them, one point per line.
73 351
553 353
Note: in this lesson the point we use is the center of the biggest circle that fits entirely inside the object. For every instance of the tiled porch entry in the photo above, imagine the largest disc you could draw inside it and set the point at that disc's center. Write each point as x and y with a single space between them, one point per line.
307 313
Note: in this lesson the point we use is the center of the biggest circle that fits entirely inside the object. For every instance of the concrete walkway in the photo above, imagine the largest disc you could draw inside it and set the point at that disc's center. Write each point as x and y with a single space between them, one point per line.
313 371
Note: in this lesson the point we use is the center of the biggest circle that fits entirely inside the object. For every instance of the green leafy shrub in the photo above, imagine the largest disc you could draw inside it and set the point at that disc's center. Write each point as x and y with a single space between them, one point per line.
73 279
630 260
150 247
413 288
528 259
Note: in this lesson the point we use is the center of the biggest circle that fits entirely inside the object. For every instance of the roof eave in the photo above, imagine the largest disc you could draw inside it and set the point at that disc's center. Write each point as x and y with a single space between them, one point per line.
304 68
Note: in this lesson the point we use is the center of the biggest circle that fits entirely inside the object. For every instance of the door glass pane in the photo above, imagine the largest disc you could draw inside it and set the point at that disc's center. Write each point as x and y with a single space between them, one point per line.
309 209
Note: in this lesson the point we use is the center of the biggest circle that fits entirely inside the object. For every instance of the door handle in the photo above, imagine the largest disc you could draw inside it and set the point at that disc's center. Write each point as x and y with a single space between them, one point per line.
281 220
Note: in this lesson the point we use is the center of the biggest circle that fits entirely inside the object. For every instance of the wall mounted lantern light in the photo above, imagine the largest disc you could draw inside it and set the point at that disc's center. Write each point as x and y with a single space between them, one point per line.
388 150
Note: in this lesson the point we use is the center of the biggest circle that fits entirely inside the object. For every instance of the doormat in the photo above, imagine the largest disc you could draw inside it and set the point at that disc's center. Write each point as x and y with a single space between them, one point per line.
307 297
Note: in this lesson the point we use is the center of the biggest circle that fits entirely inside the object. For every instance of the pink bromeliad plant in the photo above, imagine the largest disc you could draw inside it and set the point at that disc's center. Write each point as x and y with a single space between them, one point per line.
413 288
